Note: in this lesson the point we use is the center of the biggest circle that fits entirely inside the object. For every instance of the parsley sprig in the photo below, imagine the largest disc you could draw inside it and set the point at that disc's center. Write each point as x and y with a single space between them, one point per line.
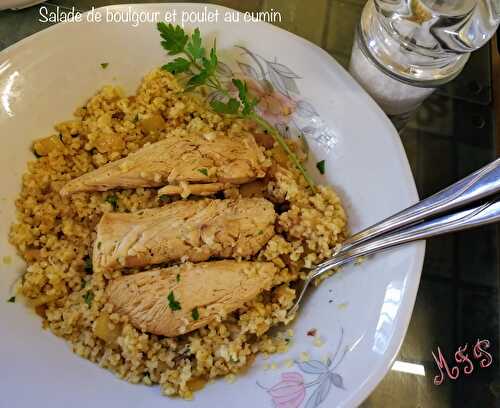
192 59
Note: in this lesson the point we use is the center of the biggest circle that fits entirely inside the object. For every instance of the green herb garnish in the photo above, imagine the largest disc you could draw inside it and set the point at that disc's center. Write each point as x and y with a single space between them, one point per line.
178 277
87 264
104 65
202 71
195 314
113 200
203 171
321 166
163 198
177 66
99 245
172 303
260 232
230 107
12 299
88 297
136 117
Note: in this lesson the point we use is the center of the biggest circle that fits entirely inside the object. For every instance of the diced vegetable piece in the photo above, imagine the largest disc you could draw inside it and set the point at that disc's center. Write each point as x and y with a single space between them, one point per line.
107 330
42 147
109 142
152 124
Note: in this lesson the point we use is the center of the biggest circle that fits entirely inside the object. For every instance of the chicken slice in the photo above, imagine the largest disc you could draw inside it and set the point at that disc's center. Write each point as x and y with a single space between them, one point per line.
185 189
189 230
180 299
218 158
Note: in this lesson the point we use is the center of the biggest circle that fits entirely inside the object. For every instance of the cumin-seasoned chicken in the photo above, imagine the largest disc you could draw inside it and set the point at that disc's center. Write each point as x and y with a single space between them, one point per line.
200 159
180 299
191 230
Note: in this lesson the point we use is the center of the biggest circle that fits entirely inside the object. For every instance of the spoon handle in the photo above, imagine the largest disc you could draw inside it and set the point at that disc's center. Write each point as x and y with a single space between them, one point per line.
486 213
482 183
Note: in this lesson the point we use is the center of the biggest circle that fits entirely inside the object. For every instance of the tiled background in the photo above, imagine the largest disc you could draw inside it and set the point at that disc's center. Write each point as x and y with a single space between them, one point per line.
452 134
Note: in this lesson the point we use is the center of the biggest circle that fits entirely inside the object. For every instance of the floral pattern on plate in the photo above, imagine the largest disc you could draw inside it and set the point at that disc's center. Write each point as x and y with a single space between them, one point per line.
291 391
281 104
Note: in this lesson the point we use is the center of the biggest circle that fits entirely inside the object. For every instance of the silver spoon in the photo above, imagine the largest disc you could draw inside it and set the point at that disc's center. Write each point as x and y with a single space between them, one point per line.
407 225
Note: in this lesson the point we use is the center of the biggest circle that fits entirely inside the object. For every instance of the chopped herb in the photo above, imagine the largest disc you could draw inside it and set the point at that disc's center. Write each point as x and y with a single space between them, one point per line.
83 284
104 65
163 198
88 297
178 278
99 245
195 314
172 303
260 232
12 299
113 200
87 264
321 166
203 171
136 118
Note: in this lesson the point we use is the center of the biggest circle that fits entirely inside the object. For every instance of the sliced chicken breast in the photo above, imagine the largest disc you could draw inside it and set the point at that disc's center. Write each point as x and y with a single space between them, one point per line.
180 299
185 189
188 230
199 159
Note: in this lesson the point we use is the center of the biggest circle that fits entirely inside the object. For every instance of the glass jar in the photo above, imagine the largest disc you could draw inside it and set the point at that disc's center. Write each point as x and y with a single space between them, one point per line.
404 49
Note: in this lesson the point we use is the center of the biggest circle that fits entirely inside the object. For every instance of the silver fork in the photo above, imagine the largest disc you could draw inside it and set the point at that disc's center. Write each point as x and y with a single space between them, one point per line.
417 222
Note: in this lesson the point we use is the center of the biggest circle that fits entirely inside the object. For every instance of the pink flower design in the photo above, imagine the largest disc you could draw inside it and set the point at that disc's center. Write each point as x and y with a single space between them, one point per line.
273 105
289 392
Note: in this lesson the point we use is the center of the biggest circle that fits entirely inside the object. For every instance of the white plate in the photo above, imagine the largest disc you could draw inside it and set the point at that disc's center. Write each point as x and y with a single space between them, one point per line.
44 77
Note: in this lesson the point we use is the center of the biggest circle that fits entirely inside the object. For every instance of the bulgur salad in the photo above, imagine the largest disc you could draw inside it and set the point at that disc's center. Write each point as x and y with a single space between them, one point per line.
163 233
